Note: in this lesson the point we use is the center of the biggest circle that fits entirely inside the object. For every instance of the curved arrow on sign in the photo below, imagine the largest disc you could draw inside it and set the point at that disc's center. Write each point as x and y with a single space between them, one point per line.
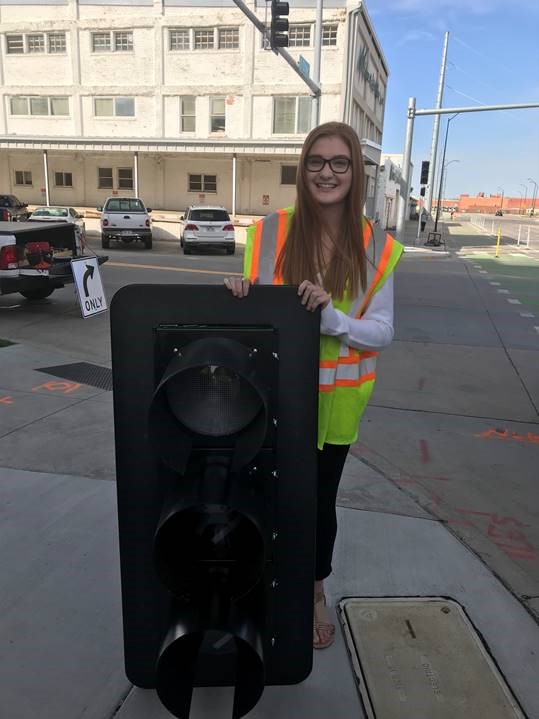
88 274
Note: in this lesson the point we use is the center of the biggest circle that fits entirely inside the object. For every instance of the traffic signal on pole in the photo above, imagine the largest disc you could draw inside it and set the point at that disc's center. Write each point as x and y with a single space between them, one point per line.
215 413
424 172
279 24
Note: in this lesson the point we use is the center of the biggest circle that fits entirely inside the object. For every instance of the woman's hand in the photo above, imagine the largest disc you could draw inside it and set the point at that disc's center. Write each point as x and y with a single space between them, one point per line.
239 286
313 296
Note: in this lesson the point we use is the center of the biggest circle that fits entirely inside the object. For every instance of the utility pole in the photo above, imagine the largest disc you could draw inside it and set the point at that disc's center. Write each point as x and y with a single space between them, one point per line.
315 117
435 129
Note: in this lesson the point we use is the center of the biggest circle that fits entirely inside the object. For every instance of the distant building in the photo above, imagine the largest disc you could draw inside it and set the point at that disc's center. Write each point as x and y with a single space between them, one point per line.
490 203
174 101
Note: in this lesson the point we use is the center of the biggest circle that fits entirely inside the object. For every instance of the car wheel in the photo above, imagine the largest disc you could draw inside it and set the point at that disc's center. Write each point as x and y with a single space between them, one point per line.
148 244
37 294
230 250
105 242
186 250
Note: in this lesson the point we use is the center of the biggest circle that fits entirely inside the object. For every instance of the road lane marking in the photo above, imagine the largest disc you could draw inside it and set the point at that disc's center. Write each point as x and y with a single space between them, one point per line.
495 283
172 269
503 292
514 302
526 314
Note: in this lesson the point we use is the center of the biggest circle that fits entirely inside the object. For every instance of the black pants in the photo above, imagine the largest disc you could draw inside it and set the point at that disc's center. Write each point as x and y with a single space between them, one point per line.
330 466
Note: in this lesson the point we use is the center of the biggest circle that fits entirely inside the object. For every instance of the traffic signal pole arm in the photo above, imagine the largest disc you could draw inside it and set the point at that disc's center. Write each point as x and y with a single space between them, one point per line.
315 89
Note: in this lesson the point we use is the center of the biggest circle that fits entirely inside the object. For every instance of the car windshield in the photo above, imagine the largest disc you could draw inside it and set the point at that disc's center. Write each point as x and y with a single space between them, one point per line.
50 212
124 204
9 201
209 215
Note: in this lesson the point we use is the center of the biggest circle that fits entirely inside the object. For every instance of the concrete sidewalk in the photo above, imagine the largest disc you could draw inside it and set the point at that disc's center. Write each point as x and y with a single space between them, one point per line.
60 624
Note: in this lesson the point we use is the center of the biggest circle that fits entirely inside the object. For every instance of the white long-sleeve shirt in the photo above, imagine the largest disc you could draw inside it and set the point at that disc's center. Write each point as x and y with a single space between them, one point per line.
373 331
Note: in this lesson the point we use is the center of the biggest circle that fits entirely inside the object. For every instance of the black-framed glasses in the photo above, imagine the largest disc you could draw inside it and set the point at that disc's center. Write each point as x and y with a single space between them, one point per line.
339 164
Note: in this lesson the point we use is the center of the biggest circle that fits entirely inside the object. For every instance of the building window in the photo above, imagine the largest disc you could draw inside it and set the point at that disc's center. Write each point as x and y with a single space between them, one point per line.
291 115
101 42
59 105
299 36
228 38
114 106
63 179
125 178
288 174
14 44
23 177
39 105
19 105
204 39
187 113
179 39
35 43
57 42
123 41
217 114
202 183
104 178
329 34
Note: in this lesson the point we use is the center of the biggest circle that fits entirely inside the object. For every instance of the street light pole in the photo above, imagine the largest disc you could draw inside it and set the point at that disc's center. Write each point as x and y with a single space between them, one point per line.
520 203
534 194
525 194
442 171
501 188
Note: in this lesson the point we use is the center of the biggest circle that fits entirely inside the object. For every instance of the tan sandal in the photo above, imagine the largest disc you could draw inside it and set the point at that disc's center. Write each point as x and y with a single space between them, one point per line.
319 627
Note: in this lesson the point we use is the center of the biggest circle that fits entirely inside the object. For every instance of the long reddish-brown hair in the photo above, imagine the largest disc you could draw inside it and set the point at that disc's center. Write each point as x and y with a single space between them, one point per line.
301 256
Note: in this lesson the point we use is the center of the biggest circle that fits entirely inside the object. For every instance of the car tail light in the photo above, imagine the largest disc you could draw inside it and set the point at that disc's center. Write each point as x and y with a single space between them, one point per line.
147 223
105 222
5 216
8 257
191 227
38 254
228 228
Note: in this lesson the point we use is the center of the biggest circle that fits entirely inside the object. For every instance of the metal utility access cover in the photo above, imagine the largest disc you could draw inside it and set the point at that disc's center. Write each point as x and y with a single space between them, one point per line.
422 658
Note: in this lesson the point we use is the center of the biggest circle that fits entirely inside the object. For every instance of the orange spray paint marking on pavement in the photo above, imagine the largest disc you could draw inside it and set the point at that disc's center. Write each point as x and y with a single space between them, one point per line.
505 434
56 386
424 447
501 530
6 400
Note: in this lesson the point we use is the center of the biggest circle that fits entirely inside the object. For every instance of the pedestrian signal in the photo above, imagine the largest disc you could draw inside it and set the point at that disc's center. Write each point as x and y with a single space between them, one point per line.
279 24
215 418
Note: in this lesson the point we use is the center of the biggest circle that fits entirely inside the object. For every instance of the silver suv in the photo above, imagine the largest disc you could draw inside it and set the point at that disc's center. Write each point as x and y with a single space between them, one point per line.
207 226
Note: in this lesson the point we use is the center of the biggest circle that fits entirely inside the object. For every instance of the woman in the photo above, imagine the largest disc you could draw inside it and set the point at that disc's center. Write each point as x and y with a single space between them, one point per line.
343 265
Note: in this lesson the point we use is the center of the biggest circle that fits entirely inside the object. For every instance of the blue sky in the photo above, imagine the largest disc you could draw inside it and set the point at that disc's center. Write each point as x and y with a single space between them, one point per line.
493 59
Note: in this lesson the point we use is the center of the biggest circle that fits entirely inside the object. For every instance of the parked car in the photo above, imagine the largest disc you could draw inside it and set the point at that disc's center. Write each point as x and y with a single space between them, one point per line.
125 219
207 227
12 209
57 213
498 213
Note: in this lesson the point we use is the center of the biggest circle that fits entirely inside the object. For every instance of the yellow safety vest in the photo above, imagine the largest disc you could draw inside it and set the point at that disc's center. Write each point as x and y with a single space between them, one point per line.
346 375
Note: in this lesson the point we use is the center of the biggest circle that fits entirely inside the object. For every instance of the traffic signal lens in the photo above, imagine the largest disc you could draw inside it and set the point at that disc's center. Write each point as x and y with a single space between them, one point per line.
212 400
209 548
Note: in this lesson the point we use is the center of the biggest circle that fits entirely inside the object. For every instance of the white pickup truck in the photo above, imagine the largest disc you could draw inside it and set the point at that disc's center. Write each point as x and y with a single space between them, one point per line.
125 219
35 257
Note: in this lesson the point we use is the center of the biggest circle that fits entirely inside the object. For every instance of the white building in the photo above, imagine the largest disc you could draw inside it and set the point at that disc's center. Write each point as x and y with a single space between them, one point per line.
389 187
175 102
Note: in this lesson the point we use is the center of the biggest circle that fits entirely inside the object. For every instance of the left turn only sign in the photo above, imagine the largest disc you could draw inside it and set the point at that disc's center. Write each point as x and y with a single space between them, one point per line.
89 286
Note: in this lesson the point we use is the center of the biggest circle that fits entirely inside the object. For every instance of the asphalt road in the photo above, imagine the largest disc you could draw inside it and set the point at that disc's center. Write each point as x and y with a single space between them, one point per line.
56 322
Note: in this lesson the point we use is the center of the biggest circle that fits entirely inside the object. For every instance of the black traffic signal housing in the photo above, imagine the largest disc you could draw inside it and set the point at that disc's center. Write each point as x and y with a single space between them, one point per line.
279 24
424 173
215 407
